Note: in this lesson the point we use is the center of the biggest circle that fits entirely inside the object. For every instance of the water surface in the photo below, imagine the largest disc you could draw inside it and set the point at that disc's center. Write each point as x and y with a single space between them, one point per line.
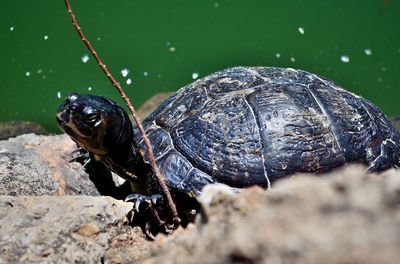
161 45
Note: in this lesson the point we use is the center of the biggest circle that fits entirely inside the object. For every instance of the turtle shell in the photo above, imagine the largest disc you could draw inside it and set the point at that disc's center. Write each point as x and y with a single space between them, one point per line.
248 126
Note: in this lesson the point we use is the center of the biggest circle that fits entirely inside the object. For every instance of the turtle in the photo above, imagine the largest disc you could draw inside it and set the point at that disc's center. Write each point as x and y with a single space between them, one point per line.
241 126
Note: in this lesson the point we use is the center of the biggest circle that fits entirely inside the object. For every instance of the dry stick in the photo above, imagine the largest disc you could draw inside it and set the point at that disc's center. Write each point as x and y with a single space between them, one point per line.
153 164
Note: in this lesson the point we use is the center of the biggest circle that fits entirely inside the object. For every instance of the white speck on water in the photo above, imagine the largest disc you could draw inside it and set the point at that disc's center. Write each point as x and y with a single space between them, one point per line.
172 49
85 58
345 58
195 75
159 75
12 28
301 30
59 95
278 55
368 52
39 71
129 81
379 79
124 72
292 59
168 43
146 74
28 73
46 37
216 4
43 76
384 69
98 38
89 88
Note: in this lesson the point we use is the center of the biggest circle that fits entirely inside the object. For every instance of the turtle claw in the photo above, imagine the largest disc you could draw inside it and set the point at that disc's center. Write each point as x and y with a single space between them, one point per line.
138 200
147 230
81 156
148 218
137 205
156 198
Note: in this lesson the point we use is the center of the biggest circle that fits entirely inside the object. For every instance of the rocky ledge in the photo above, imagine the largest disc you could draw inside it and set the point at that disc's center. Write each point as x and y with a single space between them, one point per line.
50 212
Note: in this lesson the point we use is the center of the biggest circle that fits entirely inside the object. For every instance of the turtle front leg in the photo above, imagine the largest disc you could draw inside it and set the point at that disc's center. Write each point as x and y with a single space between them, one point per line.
99 174
388 158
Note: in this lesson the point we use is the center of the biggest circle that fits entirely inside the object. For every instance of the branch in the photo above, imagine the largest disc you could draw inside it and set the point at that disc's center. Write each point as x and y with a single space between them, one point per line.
159 177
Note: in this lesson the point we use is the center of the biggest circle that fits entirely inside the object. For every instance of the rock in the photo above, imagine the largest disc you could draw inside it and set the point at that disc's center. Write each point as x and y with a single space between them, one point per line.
151 104
16 128
38 165
343 217
60 228
66 229
128 246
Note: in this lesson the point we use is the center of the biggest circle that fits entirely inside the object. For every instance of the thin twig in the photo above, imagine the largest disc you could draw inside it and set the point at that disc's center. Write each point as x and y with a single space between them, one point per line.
159 177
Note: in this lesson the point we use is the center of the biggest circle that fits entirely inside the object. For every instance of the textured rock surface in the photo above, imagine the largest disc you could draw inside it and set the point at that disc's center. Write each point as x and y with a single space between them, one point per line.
65 229
345 217
59 228
16 128
38 165
342 217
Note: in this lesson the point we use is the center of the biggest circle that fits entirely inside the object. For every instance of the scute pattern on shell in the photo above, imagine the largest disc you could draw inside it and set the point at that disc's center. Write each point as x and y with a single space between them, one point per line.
252 125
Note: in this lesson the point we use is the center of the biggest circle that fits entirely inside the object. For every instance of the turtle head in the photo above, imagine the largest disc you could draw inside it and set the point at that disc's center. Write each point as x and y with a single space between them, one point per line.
95 123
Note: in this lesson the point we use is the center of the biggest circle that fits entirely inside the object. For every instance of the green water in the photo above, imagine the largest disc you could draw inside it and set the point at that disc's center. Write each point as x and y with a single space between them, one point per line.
164 44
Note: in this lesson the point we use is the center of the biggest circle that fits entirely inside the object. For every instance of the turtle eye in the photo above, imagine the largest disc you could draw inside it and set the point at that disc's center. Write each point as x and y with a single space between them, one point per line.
92 118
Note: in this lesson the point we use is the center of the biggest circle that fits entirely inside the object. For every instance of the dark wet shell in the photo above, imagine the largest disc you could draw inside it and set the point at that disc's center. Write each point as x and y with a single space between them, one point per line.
245 126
